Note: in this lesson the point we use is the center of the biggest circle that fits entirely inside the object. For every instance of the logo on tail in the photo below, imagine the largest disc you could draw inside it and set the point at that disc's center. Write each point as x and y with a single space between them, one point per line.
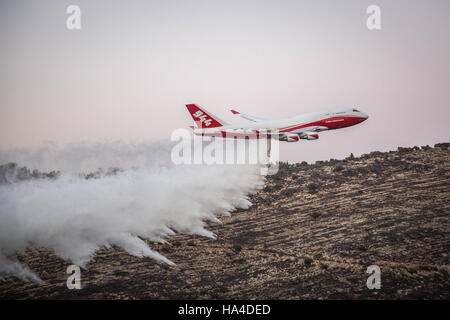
204 119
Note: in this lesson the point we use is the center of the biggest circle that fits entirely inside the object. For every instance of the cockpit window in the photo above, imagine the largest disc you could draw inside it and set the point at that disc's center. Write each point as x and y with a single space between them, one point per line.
355 110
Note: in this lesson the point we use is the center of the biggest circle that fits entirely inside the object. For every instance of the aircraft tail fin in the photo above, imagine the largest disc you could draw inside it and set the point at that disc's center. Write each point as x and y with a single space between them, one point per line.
204 119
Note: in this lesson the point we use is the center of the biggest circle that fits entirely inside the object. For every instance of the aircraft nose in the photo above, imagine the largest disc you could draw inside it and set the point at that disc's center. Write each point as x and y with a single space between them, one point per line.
365 116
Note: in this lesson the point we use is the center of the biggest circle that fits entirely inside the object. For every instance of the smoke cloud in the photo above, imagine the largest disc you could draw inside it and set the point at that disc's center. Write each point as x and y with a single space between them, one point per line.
148 199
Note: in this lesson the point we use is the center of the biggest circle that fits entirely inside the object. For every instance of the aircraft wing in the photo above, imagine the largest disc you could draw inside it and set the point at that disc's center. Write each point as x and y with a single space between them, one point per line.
248 117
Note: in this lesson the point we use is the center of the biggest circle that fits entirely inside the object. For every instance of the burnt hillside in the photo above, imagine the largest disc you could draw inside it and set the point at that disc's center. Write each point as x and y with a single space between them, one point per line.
311 233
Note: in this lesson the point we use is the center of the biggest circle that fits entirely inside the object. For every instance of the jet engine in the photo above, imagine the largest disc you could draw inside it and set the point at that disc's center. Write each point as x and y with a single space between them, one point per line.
289 137
310 136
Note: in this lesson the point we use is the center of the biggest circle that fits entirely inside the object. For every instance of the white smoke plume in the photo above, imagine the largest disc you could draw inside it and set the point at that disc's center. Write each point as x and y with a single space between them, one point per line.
150 199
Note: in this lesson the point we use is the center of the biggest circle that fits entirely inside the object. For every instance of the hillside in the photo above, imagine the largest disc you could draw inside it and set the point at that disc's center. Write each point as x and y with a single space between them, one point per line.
311 234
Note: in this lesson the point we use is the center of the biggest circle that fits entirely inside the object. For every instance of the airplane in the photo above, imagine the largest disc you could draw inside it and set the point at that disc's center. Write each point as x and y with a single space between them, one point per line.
292 129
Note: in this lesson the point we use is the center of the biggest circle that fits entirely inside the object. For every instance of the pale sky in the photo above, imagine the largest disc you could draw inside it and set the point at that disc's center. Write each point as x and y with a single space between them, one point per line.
132 67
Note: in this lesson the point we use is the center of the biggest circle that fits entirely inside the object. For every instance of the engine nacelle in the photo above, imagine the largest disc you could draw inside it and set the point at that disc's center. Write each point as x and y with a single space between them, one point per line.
310 136
289 137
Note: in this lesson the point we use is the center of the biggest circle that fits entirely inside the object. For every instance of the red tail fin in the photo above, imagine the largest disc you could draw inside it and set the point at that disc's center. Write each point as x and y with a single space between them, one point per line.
204 119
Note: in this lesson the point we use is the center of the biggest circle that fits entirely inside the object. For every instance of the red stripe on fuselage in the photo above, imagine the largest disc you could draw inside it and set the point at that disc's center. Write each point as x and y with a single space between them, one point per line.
330 123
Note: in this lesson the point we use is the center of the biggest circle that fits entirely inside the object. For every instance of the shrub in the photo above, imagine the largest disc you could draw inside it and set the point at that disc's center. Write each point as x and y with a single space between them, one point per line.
312 187
444 145
403 149
317 256
283 165
315 214
237 247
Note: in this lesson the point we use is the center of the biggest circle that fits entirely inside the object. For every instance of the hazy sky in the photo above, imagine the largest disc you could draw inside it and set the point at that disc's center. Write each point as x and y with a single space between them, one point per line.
132 67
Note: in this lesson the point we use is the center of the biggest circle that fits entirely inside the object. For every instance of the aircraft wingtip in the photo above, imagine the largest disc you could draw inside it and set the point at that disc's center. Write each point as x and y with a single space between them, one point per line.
234 111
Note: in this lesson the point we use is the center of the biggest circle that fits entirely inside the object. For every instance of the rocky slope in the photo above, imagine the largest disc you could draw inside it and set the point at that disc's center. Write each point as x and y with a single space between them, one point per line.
311 234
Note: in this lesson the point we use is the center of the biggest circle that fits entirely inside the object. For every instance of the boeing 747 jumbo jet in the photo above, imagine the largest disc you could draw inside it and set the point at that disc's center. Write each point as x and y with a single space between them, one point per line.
305 126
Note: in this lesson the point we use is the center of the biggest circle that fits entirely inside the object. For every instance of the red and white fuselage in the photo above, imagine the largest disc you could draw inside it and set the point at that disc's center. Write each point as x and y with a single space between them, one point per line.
305 126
